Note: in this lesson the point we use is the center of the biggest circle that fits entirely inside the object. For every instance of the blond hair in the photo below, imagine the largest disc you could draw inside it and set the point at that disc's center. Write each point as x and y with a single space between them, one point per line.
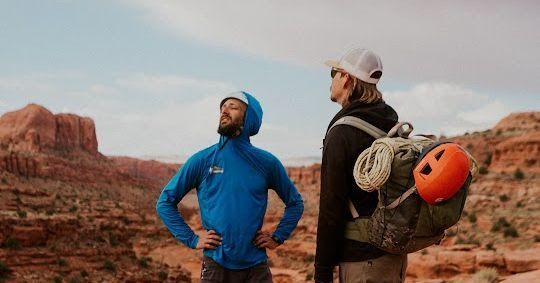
364 92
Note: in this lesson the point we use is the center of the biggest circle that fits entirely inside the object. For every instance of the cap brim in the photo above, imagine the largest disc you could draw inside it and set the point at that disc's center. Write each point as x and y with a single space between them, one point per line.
333 64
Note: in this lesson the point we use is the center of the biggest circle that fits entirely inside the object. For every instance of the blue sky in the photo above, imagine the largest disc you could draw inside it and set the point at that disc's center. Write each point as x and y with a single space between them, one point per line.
151 73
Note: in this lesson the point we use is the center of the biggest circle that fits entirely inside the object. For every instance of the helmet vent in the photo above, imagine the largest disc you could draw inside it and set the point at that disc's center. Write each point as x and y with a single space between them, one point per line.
439 154
426 170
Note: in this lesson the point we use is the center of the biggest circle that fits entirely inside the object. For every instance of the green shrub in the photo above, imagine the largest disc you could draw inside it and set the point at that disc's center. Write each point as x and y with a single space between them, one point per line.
5 271
163 275
21 213
518 174
510 232
109 265
143 262
483 170
61 262
472 217
12 244
500 224
488 159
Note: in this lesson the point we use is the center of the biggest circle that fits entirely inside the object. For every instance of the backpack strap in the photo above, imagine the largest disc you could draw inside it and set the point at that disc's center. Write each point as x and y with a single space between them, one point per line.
361 125
365 127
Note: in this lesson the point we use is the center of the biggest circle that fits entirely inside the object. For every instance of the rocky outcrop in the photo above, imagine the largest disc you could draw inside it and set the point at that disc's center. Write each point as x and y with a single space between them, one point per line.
514 143
36 129
146 169
305 175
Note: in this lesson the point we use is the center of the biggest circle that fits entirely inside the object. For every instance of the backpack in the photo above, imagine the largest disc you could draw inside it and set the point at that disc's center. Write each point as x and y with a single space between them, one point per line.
402 221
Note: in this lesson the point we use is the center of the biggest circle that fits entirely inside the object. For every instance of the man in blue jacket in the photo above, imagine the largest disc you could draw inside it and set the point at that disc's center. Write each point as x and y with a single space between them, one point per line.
232 179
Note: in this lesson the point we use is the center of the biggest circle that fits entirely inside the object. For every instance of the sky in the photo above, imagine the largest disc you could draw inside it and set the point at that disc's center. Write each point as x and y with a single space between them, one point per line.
151 73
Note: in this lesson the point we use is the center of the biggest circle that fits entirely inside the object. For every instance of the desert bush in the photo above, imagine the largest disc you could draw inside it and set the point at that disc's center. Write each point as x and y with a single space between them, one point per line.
21 213
483 170
163 275
485 275
109 265
5 271
12 244
472 217
500 224
504 198
519 175
61 262
143 262
487 161
510 232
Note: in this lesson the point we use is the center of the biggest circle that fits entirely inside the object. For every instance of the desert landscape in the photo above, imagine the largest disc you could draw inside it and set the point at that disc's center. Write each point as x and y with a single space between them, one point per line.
71 214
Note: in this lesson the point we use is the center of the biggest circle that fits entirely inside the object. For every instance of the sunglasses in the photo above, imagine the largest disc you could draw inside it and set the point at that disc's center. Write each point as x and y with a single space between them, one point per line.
334 71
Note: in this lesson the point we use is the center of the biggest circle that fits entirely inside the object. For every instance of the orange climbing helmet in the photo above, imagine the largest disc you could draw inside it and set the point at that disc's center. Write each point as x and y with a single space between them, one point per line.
441 171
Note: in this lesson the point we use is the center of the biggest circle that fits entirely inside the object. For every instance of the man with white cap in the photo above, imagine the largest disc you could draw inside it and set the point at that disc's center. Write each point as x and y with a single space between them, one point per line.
232 179
354 87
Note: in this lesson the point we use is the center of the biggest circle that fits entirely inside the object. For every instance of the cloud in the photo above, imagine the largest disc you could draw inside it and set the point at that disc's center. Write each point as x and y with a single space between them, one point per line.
486 44
446 108
135 114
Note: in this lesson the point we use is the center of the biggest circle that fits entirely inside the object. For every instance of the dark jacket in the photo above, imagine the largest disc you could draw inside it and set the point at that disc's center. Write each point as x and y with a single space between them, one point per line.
342 147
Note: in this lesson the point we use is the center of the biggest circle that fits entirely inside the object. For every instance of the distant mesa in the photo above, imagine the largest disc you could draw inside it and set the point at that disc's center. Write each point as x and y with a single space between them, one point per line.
35 129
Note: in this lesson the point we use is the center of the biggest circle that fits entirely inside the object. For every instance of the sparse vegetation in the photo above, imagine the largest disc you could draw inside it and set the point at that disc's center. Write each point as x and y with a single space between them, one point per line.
4 180
309 276
109 265
500 224
143 262
163 275
483 170
12 244
309 258
57 279
21 213
5 271
84 273
485 275
50 211
504 198
73 208
519 175
61 262
510 232
490 246
472 217
487 161
113 240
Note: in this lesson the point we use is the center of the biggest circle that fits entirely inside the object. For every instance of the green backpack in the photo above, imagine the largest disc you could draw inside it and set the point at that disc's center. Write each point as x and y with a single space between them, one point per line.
402 221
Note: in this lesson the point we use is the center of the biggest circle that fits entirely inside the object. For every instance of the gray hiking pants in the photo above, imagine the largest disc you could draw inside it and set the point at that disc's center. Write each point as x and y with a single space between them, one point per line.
213 272
387 268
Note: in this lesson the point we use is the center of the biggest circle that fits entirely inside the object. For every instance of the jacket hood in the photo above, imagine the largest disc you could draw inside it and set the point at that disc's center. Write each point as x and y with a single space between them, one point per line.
253 115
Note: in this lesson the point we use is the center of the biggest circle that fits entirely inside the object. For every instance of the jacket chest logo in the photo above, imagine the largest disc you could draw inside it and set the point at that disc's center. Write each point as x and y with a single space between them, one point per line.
216 170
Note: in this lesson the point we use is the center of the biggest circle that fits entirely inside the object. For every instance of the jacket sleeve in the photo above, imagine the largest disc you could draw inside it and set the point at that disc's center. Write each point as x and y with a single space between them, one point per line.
294 205
187 178
333 203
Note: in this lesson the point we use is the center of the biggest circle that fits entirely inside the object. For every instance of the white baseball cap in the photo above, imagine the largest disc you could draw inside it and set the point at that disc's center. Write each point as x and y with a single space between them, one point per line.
361 63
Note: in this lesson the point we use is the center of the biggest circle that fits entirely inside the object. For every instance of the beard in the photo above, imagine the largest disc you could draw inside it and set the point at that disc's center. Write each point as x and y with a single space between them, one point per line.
230 130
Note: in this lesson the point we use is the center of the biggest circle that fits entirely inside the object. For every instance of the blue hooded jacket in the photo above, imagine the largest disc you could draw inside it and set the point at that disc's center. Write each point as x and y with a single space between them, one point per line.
232 179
